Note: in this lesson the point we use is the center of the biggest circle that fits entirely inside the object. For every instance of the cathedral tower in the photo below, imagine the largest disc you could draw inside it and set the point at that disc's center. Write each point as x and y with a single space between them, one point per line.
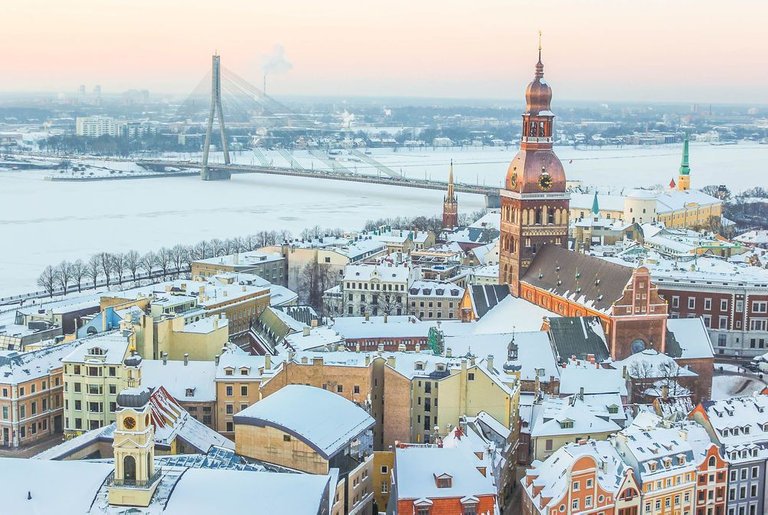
534 203
450 204
684 175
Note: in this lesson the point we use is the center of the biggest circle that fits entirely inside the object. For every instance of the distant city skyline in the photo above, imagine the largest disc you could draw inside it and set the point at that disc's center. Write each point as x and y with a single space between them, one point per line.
702 51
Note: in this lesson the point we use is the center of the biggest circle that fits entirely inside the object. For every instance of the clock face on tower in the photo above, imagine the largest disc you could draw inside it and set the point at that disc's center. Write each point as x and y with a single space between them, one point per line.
129 422
545 181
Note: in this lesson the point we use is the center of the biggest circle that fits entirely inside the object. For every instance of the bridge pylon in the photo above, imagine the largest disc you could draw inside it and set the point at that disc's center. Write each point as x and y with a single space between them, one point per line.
207 174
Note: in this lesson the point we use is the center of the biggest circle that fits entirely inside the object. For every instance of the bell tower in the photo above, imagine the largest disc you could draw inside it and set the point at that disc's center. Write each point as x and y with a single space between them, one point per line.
450 204
135 478
534 201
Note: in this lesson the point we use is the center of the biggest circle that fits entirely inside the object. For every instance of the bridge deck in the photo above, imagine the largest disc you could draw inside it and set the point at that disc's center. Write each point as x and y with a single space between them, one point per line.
337 175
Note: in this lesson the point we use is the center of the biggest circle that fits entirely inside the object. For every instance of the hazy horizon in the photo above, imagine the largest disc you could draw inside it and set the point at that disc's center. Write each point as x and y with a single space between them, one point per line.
594 51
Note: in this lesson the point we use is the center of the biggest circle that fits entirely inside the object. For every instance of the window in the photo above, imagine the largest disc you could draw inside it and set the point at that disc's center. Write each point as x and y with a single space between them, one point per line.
339 388
229 391
575 504
77 387
244 390
286 438
230 427
755 472
112 371
691 302
707 304
723 304
576 486
356 388
759 306
675 301
588 501
385 487
471 376
548 445
113 389
230 409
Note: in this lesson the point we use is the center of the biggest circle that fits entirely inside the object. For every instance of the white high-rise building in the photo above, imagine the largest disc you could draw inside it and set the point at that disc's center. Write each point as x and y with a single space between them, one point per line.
96 126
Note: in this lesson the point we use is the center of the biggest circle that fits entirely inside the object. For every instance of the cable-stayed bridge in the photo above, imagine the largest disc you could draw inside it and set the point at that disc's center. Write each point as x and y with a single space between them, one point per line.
222 91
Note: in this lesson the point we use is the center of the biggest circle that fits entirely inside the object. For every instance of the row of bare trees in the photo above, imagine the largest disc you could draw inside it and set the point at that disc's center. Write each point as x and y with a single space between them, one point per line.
116 268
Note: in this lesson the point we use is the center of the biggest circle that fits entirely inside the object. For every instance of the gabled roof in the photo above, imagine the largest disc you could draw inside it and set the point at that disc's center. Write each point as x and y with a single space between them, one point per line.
325 421
416 470
578 336
485 297
587 280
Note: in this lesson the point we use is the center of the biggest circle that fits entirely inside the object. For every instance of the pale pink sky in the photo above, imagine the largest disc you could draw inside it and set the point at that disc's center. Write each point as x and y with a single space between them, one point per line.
649 50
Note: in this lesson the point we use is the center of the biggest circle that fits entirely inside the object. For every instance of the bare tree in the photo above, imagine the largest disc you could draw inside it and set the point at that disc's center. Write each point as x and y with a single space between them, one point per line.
148 262
48 280
238 244
105 262
64 274
390 303
164 260
78 271
203 250
218 247
178 253
188 257
251 242
118 266
93 269
132 263
315 278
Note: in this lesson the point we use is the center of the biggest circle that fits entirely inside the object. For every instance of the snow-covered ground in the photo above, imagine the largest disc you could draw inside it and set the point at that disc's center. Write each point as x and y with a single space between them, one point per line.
725 387
43 222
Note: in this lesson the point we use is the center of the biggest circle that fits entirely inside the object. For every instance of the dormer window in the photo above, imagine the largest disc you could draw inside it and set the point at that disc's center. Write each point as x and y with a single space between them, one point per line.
667 462
566 424
613 409
444 481
244 371
189 392
96 351
229 371
419 365
681 460
652 466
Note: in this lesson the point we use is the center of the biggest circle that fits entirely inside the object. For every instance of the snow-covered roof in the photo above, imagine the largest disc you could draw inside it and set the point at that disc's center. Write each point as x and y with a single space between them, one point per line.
535 357
193 382
417 470
594 379
757 237
245 366
675 200
435 289
553 474
324 420
692 336
571 416
107 348
650 364
18 368
396 326
42 486
244 259
384 274
206 491
741 426
657 452
318 338
512 314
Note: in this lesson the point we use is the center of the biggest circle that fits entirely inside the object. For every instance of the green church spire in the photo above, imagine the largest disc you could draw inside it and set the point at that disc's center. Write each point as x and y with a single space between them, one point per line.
595 206
684 168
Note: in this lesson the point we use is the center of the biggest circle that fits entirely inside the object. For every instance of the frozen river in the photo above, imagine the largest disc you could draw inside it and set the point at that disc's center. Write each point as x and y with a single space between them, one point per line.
43 222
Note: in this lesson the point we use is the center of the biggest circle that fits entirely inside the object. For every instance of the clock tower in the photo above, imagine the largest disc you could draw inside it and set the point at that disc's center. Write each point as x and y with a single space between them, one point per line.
534 202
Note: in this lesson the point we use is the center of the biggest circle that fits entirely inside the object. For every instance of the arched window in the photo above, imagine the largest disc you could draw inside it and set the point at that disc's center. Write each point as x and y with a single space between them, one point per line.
537 216
129 468
551 216
712 461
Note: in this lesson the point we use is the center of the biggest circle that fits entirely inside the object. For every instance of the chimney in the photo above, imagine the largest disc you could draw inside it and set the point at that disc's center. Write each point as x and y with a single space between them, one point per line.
215 321
268 361
357 347
103 320
401 347
581 392
536 385
472 361
317 360
165 358
391 361
448 353
385 318
304 360
314 323
367 360
489 361
367 317
417 347
305 331
186 359
291 354
216 359
463 365
201 292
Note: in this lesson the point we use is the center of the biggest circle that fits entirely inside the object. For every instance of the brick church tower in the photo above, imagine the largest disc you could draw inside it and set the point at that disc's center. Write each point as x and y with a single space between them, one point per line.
534 203
450 204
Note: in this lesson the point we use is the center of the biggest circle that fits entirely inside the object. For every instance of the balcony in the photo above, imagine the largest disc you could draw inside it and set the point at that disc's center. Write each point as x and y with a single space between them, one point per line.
132 483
